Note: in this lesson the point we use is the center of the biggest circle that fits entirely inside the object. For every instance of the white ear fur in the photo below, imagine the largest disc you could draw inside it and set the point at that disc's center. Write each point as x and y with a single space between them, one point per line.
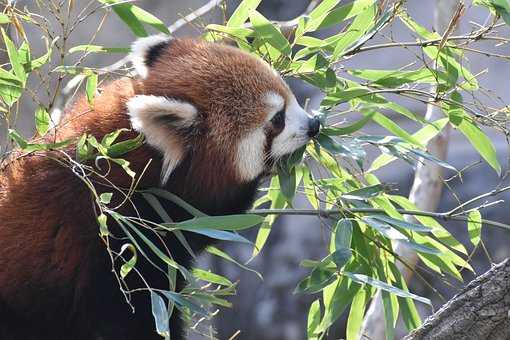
144 111
139 50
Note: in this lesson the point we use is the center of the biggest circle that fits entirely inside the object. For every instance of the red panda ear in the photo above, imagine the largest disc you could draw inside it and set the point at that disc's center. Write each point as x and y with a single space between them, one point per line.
144 52
156 117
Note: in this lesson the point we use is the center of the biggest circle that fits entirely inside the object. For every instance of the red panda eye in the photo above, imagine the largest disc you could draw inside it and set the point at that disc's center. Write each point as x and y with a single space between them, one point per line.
278 119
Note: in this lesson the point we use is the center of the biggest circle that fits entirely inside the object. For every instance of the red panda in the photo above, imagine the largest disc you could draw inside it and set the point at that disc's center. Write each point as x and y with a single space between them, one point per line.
215 120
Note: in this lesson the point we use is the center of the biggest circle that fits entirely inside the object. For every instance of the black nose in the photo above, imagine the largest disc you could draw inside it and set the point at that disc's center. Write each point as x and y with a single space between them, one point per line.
313 127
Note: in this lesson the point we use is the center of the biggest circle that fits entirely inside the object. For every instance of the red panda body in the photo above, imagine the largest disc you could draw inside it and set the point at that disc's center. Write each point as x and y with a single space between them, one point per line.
212 120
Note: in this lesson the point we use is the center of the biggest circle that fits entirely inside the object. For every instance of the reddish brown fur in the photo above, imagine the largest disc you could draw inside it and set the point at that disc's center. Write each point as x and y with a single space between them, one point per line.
54 271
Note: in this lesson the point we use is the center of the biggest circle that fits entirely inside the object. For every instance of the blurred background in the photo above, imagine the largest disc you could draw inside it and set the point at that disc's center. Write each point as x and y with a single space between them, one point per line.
267 309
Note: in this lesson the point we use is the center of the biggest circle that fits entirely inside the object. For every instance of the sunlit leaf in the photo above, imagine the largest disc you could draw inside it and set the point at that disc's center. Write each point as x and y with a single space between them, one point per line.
98 49
211 277
42 121
473 133
160 313
91 88
242 12
475 226
126 268
314 319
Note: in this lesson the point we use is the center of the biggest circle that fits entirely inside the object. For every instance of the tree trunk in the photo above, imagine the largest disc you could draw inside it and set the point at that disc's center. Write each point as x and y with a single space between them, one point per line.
480 311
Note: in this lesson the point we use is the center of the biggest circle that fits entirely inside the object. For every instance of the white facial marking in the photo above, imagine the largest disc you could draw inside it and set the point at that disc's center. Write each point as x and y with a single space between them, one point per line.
144 111
275 103
139 51
250 155
295 132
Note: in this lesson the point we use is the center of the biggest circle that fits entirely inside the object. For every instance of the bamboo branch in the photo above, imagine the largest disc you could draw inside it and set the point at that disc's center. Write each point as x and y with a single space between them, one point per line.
336 212
68 90
427 186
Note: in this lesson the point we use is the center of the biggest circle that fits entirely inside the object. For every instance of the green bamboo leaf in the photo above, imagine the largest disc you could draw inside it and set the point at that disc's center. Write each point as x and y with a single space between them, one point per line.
42 121
363 279
336 298
409 313
236 32
4 19
160 313
364 193
498 7
126 268
472 132
314 319
24 55
356 313
118 149
103 226
346 130
287 183
211 277
322 9
183 301
98 49
422 248
31 147
9 78
14 58
177 200
403 223
446 56
338 15
74 70
475 226
394 128
340 257
343 234
384 228
228 222
242 13
425 134
332 145
217 252
221 235
309 187
111 137
207 299
91 88
278 201
156 205
389 318
125 165
427 156
438 230
396 78
166 258
42 60
105 198
133 16
268 32
359 26
126 225
316 281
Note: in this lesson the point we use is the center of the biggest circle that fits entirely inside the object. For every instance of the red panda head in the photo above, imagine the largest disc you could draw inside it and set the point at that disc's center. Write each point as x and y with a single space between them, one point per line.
226 107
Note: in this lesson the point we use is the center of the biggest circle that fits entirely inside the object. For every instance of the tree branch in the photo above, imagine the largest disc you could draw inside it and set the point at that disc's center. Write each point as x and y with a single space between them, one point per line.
479 311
